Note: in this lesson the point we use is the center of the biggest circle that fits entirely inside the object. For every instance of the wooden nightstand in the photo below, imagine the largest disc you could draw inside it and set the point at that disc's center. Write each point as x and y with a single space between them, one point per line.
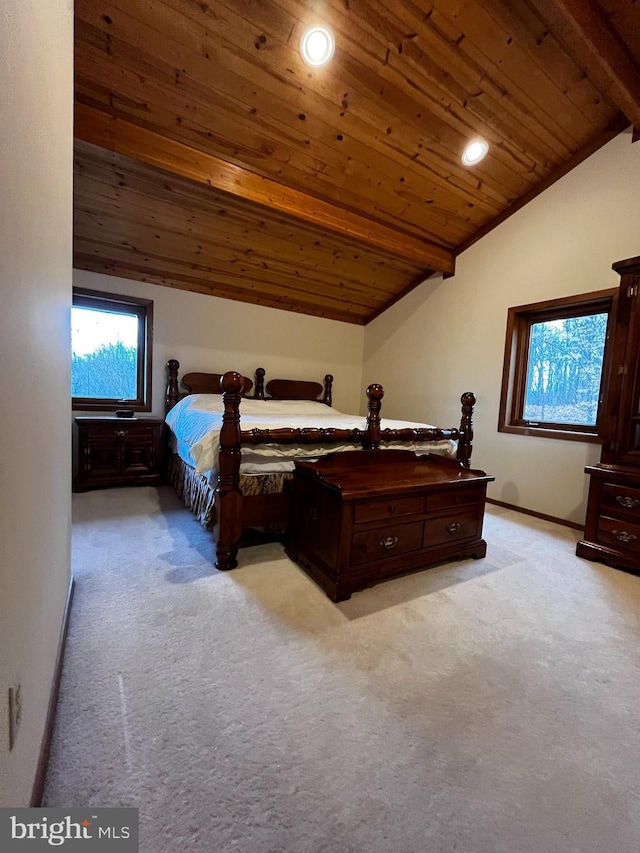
119 451
360 517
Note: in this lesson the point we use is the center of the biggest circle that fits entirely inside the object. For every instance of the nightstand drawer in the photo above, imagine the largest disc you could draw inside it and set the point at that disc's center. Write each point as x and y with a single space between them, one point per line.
385 541
378 510
621 534
134 430
621 500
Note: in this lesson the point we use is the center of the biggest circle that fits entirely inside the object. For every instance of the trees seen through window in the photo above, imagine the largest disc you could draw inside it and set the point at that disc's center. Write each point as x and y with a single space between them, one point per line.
555 366
111 353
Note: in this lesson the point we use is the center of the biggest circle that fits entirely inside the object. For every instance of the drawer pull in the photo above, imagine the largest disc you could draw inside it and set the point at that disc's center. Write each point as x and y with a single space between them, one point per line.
313 513
120 432
388 542
628 503
623 536
453 527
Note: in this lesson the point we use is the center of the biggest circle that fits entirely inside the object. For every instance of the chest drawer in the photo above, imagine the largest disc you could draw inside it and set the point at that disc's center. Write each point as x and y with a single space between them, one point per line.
389 508
454 498
451 528
621 500
386 541
622 534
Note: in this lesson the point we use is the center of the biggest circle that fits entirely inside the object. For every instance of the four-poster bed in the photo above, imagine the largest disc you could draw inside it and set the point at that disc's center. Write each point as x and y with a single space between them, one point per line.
227 499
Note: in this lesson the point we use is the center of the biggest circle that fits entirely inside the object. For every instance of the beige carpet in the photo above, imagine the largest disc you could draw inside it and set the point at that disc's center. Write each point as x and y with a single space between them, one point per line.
478 707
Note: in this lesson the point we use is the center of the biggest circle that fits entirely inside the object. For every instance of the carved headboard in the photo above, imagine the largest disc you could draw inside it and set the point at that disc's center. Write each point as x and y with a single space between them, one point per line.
210 383
276 389
297 389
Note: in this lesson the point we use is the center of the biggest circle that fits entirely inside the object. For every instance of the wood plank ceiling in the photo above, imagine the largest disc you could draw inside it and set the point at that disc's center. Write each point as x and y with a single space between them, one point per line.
209 157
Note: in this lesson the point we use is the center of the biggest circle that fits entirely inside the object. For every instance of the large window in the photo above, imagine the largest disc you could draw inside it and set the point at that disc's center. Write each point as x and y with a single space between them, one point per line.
555 366
111 351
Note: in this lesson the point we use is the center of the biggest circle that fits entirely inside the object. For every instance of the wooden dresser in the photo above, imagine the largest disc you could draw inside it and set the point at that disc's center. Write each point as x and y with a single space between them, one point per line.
362 516
118 451
612 529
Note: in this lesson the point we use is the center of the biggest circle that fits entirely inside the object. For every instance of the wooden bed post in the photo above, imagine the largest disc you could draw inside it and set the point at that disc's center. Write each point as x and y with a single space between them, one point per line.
465 443
259 389
228 498
328 383
375 393
173 391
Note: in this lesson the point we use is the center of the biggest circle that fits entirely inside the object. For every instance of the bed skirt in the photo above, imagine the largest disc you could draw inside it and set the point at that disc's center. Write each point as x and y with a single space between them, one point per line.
198 494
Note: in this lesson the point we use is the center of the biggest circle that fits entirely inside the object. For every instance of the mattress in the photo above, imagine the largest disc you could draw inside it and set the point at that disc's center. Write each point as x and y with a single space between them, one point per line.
196 420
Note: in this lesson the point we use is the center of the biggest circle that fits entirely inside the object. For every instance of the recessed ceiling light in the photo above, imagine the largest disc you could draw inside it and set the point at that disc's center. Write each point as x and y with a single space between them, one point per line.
475 152
317 46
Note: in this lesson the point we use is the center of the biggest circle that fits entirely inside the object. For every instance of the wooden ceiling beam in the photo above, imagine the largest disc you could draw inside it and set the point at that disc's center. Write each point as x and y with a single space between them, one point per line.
220 285
595 46
123 137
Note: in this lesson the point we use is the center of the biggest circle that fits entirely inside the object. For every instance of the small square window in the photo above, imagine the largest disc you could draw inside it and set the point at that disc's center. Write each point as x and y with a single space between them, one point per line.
555 367
111 351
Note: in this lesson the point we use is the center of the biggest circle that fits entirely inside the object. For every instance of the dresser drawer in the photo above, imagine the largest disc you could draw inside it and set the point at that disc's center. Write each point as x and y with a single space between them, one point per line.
389 508
450 528
622 534
621 500
385 541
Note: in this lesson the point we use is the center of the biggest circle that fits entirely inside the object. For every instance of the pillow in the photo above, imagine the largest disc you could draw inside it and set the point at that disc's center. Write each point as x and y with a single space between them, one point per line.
214 403
285 407
204 402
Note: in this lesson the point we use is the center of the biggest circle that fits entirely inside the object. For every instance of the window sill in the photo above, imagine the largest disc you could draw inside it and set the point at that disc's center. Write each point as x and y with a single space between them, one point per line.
551 432
79 405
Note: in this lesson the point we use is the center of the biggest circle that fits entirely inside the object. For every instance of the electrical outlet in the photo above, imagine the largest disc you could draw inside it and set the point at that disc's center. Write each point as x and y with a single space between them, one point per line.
15 714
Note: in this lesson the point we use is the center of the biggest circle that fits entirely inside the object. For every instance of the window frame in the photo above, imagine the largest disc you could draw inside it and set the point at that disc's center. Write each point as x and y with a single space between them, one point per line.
516 351
143 309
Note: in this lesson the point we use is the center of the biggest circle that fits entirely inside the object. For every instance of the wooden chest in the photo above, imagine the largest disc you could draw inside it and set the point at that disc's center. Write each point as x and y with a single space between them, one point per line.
363 516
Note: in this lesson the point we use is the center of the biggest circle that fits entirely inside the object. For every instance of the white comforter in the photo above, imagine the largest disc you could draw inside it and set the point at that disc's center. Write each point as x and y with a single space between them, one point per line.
196 421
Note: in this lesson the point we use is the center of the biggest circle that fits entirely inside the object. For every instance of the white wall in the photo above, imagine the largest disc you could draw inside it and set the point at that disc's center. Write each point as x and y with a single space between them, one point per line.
215 335
447 336
36 50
